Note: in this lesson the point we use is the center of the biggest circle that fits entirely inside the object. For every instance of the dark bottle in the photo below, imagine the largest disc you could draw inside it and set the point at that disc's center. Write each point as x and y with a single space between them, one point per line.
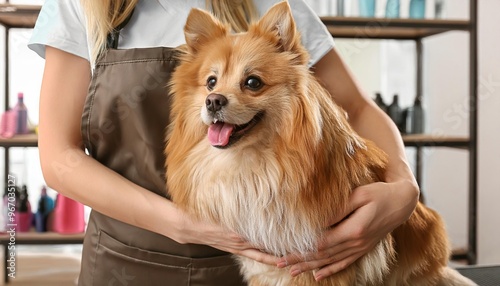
23 211
415 117
395 112
380 102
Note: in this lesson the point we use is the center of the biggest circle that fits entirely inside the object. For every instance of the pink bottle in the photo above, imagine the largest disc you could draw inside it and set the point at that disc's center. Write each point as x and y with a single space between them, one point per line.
67 216
8 124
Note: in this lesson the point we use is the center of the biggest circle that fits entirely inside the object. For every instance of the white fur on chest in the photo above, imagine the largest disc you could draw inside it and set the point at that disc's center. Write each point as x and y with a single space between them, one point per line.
246 191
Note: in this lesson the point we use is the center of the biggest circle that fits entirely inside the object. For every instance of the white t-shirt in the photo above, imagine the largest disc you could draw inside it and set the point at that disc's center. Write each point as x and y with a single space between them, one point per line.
156 23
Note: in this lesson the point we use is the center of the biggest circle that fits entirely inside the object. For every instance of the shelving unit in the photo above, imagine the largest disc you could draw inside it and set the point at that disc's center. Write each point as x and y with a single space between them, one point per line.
28 140
15 16
416 30
23 16
43 238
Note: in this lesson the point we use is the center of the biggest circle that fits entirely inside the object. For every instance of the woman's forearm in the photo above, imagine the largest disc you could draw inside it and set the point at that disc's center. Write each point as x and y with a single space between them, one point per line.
373 124
74 174
365 117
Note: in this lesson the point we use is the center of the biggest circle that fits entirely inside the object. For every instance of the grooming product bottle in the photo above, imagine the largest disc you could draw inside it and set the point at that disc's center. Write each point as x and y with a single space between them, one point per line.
21 115
340 8
45 206
392 9
415 117
417 9
8 124
23 212
395 112
439 9
67 216
380 102
367 8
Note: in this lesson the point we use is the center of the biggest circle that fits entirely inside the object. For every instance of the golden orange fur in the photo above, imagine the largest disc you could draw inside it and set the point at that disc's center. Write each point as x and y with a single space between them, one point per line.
291 160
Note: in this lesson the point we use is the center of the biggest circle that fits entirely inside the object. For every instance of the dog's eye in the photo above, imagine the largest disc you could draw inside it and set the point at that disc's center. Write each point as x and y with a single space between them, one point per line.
211 82
253 83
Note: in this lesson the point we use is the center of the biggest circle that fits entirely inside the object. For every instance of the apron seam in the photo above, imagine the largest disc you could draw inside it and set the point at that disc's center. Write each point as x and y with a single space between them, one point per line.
91 106
95 255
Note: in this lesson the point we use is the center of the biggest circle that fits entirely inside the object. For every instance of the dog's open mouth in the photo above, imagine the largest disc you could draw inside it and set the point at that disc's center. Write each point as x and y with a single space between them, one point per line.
222 134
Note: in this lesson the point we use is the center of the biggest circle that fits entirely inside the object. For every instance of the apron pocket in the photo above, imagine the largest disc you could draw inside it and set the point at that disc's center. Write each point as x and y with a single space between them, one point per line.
119 264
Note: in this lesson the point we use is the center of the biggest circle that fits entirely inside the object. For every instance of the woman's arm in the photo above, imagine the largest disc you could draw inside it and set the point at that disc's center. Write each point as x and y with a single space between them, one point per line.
378 207
364 115
67 169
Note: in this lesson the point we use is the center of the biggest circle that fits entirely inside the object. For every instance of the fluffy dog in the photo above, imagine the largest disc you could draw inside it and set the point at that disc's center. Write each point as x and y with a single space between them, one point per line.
258 146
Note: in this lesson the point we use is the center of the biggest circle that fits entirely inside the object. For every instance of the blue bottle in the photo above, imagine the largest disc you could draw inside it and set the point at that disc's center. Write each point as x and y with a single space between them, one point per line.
392 9
417 9
45 206
367 8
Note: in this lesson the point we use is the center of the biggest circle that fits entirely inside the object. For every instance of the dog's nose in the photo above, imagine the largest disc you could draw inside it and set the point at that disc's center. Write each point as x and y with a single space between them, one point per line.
215 102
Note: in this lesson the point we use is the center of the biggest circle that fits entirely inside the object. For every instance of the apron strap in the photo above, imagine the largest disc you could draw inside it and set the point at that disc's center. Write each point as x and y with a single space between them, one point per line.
113 36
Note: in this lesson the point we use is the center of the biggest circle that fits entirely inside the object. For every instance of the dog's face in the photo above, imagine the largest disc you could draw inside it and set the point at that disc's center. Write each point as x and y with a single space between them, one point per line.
241 84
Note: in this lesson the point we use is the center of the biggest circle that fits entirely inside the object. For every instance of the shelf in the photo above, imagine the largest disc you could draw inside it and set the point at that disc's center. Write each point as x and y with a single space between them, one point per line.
18 16
43 238
421 140
384 28
28 140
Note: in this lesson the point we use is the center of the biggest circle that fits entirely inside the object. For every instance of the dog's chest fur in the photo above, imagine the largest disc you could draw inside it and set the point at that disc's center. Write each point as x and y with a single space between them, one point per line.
249 192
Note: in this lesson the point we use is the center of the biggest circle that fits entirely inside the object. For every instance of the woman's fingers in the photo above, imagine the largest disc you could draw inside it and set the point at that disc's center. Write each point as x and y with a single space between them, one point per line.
258 256
319 259
336 266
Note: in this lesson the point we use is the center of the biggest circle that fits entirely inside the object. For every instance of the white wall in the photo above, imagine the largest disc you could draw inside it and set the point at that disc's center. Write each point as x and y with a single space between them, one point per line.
446 65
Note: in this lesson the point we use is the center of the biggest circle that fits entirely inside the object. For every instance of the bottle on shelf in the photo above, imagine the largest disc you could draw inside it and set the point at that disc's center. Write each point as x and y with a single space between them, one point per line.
417 9
45 206
380 102
340 8
23 214
8 124
392 9
367 8
415 117
344 7
395 112
21 115
439 9
67 216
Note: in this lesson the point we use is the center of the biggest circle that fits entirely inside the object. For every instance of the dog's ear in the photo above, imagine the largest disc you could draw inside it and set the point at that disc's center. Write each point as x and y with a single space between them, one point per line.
201 27
279 21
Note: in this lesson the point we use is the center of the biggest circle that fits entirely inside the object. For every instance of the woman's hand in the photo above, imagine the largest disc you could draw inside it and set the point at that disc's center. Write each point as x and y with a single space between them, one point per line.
189 230
376 209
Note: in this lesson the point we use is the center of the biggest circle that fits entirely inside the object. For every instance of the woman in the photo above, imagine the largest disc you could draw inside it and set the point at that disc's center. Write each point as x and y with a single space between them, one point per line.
109 97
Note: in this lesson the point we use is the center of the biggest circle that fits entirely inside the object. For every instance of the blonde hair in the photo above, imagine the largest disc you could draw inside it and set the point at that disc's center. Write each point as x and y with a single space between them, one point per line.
104 16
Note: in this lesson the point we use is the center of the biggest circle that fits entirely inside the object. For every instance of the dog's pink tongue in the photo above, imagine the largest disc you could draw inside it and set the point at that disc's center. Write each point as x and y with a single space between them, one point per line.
219 133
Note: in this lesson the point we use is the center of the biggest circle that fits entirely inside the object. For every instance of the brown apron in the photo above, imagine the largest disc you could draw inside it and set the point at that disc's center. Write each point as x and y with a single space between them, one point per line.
123 125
